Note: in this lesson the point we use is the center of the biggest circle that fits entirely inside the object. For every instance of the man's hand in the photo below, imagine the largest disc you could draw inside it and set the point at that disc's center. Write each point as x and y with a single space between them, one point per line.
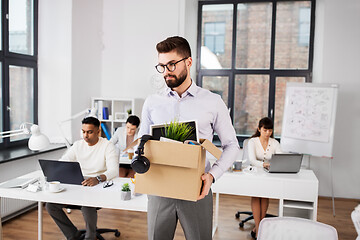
91 181
207 179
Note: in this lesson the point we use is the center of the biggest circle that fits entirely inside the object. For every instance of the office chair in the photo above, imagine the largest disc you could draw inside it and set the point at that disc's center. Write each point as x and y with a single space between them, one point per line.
291 228
99 231
237 215
355 217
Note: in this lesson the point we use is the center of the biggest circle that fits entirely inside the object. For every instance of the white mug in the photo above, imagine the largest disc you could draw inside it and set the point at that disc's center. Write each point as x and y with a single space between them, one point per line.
54 186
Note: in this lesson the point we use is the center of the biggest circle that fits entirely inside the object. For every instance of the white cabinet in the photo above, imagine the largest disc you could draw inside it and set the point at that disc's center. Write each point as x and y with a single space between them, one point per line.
113 112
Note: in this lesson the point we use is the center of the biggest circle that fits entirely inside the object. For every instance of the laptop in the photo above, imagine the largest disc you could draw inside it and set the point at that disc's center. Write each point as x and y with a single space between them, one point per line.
158 130
285 163
64 172
18 182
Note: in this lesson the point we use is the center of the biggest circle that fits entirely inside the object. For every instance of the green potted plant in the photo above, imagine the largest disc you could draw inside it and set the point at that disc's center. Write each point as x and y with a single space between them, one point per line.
125 192
129 111
177 131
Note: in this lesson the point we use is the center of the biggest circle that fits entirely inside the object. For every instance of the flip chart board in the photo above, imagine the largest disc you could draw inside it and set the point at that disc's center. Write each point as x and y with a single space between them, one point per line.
309 118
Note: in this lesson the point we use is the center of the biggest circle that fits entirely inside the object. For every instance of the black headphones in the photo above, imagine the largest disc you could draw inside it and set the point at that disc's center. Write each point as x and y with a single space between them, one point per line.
141 164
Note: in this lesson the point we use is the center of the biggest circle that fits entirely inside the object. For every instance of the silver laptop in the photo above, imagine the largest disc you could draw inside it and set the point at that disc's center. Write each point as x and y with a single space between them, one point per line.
285 163
18 182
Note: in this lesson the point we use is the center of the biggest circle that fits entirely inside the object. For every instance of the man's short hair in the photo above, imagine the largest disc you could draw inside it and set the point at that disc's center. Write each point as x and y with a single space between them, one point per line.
91 120
179 44
133 120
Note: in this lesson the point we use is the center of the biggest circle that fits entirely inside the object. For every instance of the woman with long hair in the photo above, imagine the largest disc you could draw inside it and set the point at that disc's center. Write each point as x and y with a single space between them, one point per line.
261 147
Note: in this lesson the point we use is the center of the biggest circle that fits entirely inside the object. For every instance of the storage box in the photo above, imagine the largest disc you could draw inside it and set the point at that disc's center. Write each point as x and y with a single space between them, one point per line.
175 169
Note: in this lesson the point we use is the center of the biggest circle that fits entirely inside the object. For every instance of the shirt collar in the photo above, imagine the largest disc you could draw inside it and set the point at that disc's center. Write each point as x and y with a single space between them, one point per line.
192 90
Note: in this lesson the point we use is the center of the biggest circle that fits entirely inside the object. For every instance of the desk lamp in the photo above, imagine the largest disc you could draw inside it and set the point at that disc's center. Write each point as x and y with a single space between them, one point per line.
37 141
88 112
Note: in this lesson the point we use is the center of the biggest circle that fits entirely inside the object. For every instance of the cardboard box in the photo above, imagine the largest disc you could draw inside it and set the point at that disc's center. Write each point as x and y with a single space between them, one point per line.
175 169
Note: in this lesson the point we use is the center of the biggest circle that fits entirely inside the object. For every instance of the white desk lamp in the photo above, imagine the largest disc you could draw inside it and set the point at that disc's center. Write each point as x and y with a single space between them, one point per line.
37 141
88 112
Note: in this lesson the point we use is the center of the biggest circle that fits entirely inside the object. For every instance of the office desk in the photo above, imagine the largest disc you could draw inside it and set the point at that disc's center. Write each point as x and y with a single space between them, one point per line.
124 160
293 190
96 196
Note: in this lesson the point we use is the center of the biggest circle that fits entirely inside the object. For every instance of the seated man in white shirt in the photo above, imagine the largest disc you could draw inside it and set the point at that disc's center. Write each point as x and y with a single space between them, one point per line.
99 160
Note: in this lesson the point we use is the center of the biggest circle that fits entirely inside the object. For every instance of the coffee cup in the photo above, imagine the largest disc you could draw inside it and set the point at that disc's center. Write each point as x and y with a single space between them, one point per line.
131 153
54 186
237 165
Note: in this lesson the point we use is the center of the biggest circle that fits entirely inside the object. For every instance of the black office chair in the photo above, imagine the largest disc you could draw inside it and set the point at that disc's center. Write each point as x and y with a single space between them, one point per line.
99 231
250 217
237 215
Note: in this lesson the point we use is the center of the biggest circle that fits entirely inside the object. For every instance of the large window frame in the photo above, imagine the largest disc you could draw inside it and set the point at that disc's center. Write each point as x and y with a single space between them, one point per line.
7 59
272 72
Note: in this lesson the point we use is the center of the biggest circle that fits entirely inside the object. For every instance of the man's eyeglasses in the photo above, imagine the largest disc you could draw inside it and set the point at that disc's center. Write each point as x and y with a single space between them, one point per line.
170 66
108 184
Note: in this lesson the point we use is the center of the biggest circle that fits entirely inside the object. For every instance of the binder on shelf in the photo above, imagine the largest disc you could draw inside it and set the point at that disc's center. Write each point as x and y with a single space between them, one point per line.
100 112
105 113
105 130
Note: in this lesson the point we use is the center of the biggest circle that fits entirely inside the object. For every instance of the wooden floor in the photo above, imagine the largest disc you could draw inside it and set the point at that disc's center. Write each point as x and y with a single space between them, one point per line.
132 225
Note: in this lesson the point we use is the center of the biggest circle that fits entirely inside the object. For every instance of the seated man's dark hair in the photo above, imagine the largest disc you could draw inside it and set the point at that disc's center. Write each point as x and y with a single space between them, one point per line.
91 120
133 120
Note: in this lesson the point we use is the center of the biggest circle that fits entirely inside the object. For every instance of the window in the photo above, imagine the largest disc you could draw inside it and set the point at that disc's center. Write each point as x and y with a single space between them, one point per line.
18 61
266 45
304 26
214 38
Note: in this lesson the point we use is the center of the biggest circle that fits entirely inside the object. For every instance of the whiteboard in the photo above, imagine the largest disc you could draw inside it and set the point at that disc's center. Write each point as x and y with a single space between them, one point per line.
309 118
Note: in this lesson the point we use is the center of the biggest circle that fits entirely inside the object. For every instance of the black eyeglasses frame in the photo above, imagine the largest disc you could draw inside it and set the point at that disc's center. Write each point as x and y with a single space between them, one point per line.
167 66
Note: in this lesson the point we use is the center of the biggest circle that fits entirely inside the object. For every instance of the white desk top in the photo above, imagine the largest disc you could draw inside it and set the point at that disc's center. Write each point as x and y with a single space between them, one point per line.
300 186
96 196
124 159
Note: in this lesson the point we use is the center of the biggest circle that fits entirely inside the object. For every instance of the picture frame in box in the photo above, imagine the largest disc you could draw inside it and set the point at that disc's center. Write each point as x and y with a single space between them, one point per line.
157 130
121 116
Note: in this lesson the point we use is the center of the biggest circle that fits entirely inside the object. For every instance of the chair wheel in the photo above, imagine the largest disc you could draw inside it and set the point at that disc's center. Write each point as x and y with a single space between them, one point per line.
117 234
237 215
241 224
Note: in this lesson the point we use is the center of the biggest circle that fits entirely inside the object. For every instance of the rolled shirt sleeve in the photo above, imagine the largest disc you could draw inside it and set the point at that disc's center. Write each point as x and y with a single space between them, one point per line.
229 144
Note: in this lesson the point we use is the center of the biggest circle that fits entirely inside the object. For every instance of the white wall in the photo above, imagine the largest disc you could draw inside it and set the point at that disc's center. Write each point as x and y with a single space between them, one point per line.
87 49
337 60
131 32
55 64
126 34
70 48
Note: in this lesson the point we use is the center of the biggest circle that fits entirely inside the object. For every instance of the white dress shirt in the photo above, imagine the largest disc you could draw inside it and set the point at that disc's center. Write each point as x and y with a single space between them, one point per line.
119 139
199 104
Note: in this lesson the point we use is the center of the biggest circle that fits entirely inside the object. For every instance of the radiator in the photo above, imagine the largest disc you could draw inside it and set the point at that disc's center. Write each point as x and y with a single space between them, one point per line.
13 207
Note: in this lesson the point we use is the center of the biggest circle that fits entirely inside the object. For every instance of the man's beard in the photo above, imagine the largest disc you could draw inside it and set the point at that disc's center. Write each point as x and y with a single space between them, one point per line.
177 81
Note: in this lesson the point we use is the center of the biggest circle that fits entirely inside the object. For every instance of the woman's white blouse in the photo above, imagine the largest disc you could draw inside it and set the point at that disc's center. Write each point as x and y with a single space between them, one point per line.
257 154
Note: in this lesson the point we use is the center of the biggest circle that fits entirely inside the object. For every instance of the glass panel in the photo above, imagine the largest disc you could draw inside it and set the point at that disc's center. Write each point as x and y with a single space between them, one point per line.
292 35
21 80
217 84
21 27
0 27
280 100
253 35
251 102
216 36
1 102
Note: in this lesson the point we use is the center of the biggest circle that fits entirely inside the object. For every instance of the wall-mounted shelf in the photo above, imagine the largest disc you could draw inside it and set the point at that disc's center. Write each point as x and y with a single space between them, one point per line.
117 109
